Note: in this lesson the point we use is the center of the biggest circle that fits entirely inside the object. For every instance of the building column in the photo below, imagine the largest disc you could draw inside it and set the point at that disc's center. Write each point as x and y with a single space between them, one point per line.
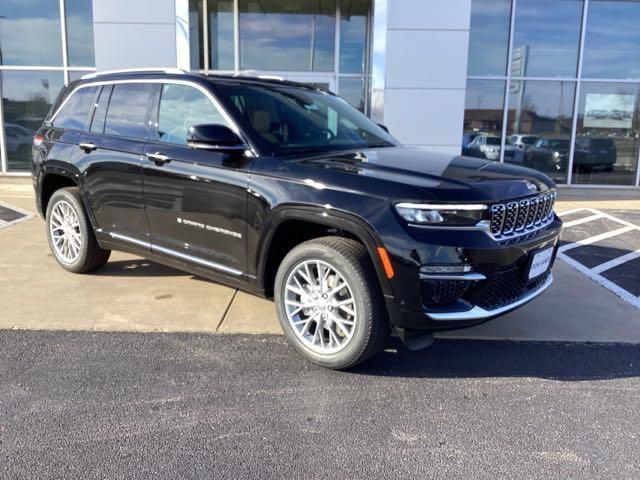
420 53
141 33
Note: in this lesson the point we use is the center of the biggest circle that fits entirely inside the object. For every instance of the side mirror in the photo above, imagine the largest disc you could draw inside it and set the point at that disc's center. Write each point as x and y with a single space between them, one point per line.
214 137
384 127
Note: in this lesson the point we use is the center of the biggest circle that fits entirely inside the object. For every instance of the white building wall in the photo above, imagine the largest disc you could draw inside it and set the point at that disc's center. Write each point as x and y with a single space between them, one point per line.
425 71
135 33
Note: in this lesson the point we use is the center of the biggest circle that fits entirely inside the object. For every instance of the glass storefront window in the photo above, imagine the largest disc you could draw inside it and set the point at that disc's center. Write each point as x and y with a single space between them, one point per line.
26 100
79 18
606 149
546 38
483 117
220 34
352 90
196 35
612 39
286 36
539 126
30 33
489 37
353 35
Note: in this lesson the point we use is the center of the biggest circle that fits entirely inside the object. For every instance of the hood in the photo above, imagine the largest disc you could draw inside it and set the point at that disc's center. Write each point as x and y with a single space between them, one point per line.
438 176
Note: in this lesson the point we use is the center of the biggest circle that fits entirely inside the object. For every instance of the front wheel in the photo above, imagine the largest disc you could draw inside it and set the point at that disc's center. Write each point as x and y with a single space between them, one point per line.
329 303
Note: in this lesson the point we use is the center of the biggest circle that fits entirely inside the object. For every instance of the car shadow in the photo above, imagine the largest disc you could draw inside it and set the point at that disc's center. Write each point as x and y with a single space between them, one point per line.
138 267
561 361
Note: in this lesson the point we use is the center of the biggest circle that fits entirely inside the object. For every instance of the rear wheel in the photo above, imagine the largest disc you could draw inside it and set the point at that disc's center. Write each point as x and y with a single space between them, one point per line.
70 235
329 303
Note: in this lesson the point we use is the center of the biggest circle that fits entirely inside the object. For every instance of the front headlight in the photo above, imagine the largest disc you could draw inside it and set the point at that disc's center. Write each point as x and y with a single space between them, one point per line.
443 214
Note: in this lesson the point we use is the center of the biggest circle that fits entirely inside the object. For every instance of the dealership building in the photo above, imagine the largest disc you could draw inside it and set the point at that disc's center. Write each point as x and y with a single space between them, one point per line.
550 84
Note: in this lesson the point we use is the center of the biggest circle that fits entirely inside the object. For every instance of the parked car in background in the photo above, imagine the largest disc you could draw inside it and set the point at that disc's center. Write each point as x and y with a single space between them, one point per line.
19 140
602 154
467 138
523 142
485 146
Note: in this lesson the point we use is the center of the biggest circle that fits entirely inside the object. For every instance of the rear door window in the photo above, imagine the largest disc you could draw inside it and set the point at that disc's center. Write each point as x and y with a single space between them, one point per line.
74 114
181 107
129 109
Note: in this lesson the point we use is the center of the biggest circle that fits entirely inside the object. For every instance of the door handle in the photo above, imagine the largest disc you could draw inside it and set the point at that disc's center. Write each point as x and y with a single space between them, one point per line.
87 146
158 158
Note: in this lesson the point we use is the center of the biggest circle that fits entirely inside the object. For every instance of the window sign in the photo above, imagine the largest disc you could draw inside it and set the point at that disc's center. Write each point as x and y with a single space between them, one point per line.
609 110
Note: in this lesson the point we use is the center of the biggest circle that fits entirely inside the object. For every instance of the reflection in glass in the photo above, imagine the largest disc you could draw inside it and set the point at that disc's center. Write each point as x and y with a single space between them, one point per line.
489 37
196 47
181 107
221 34
30 34
127 111
612 39
77 74
26 99
483 116
607 134
539 126
276 35
352 90
353 35
546 38
79 15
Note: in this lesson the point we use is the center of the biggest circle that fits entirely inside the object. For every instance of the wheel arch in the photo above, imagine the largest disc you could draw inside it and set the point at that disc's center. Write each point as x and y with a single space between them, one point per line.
281 237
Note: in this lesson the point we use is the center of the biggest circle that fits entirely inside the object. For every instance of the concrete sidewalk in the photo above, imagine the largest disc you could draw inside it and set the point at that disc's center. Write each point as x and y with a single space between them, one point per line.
133 294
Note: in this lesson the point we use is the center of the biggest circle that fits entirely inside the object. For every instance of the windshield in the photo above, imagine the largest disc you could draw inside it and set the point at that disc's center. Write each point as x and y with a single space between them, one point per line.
284 120
493 140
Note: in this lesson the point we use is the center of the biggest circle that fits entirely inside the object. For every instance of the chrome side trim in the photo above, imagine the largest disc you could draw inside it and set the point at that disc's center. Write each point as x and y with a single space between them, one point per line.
199 261
174 253
477 313
471 276
135 241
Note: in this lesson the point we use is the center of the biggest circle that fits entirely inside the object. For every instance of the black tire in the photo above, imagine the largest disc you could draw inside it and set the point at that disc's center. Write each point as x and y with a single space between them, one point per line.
91 256
350 258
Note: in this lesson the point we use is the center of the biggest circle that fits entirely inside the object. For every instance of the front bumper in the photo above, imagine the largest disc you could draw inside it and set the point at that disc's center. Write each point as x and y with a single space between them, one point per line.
499 282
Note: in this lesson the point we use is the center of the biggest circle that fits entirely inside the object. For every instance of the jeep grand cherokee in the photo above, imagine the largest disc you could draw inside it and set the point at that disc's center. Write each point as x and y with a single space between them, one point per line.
286 191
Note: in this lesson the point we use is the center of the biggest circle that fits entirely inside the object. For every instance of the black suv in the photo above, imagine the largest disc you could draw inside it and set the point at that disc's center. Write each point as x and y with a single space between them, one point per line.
286 191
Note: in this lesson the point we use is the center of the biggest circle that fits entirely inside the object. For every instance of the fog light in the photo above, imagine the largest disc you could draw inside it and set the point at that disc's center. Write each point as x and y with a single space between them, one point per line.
446 269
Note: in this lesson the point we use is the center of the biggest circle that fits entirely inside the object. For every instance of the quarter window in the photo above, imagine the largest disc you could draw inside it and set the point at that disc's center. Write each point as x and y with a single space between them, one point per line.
75 112
128 109
182 106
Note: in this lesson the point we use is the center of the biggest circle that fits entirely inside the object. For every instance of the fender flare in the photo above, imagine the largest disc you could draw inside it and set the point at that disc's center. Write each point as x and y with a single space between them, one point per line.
348 222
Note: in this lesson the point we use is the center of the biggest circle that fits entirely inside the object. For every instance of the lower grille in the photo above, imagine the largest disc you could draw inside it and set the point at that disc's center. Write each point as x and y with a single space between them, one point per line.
443 292
504 288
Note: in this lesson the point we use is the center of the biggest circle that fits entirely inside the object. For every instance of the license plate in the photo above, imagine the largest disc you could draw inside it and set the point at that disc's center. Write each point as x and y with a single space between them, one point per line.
540 262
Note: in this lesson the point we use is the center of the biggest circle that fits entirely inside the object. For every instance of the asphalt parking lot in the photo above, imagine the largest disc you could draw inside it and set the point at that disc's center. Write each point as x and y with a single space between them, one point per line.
100 377
124 405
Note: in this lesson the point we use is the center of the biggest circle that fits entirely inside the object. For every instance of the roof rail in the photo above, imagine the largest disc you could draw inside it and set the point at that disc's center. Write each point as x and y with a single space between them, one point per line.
255 74
132 70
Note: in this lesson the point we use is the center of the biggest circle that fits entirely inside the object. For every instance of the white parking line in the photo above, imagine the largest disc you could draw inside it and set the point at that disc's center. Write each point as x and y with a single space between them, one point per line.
591 218
616 261
619 291
594 273
596 238
27 215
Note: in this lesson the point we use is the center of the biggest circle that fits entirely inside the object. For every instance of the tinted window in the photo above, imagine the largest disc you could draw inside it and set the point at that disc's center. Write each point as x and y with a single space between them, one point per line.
493 141
182 106
75 112
128 109
289 120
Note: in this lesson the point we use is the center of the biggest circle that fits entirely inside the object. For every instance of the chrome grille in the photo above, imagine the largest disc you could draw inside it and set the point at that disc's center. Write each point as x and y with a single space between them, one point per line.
511 218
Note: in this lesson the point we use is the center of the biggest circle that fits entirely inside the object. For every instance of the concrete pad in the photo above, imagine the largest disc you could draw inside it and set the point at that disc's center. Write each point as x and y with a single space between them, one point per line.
129 294
574 309
250 314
